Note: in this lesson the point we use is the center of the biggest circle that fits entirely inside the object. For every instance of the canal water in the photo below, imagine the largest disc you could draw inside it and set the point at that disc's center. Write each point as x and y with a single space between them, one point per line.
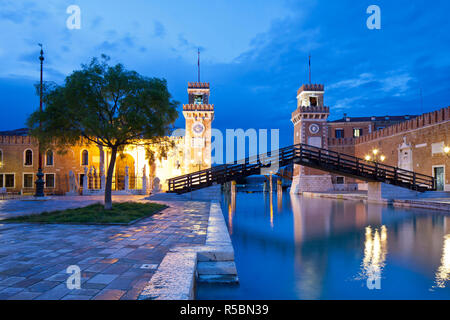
293 247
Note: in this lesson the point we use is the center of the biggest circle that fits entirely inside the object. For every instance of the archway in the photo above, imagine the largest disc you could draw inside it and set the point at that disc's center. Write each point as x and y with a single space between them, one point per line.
123 161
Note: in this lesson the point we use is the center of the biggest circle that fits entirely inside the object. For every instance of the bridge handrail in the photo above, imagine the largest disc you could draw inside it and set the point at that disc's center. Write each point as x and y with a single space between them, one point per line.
373 169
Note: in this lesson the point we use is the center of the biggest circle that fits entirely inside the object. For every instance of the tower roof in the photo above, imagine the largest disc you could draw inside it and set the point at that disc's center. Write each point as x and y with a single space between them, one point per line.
311 87
198 85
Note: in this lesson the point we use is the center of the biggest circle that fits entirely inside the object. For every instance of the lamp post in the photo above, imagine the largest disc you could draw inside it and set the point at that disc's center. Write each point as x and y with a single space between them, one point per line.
376 156
40 175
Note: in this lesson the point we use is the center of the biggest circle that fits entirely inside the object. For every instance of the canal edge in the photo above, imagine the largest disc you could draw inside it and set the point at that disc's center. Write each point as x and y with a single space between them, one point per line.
182 267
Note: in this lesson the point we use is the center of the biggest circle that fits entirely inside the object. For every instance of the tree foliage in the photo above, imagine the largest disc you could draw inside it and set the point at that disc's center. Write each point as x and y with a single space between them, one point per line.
105 105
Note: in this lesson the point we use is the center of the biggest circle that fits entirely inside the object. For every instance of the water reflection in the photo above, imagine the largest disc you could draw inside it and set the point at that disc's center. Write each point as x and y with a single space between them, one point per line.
271 209
375 250
305 248
443 273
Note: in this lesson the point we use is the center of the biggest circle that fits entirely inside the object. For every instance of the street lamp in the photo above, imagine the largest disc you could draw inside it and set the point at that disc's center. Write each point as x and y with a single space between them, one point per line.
40 175
376 156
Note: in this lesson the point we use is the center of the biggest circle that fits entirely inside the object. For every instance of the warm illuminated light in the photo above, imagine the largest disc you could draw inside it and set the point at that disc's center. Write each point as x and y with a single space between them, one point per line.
367 158
382 158
271 210
443 273
447 150
375 152
375 250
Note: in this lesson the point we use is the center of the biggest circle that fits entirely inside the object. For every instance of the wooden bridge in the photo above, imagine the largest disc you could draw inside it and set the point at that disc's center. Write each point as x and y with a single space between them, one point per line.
309 156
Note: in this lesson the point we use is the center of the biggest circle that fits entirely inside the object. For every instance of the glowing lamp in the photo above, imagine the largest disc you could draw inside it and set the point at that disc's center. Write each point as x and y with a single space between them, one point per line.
447 150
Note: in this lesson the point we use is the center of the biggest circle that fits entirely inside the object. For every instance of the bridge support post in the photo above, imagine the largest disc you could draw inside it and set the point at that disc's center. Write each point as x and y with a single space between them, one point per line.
379 192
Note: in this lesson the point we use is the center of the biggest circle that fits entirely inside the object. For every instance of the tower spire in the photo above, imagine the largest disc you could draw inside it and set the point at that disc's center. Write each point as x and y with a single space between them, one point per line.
310 68
198 64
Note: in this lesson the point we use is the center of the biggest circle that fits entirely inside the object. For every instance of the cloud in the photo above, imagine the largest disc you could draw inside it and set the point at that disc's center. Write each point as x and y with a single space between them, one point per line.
159 31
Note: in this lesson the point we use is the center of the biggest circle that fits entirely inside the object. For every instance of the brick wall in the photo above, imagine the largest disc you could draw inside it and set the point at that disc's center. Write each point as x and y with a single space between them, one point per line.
13 149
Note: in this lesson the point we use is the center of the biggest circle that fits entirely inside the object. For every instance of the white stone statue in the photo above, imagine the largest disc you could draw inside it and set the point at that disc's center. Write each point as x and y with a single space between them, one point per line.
73 184
156 185
144 180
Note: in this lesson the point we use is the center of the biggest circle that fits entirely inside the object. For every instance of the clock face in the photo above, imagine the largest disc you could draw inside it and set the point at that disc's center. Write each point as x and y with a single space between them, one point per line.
198 128
314 128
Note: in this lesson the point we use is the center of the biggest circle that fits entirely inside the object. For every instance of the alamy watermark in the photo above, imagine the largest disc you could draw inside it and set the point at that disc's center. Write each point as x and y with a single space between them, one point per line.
74 280
74 20
374 20
235 148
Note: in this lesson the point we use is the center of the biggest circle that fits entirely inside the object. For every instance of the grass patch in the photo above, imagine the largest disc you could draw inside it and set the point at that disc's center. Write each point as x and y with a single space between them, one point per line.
121 213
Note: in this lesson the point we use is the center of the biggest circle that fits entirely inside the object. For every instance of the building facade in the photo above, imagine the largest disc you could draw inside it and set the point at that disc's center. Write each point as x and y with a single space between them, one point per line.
19 157
410 142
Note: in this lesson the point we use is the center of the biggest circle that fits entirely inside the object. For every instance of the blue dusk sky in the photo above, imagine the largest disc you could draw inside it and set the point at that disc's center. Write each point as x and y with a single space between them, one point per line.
254 53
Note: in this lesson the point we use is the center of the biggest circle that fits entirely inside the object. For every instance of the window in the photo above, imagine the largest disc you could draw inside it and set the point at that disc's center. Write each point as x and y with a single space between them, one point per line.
49 158
85 158
380 128
198 99
49 180
1 180
10 181
313 101
28 180
357 133
339 133
1 158
339 180
28 157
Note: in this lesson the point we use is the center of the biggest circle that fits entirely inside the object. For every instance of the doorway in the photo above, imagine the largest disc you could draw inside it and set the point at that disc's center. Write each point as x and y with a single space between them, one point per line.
439 174
123 161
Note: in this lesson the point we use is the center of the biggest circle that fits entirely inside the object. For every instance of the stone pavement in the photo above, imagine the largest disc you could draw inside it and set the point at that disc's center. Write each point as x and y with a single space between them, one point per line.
116 262
25 206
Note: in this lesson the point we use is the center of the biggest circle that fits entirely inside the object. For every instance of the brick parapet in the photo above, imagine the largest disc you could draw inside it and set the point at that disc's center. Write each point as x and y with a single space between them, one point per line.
20 140
425 120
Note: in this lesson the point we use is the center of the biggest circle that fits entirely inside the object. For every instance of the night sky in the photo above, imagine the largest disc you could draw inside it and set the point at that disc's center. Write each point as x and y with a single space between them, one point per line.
254 53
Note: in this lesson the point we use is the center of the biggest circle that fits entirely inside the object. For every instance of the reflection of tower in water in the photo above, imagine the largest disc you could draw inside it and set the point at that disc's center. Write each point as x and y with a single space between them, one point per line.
443 273
310 261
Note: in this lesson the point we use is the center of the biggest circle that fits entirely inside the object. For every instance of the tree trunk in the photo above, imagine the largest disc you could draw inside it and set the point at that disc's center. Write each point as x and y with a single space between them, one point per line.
109 177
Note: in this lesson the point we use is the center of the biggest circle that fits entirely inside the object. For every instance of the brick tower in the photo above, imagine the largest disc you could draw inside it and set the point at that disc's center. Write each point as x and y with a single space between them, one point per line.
310 127
199 115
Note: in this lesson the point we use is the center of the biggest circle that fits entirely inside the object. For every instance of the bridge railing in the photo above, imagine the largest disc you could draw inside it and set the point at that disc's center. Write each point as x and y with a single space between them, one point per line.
365 168
322 159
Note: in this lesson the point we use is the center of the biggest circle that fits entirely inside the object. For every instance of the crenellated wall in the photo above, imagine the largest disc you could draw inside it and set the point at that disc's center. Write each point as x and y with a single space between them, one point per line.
416 144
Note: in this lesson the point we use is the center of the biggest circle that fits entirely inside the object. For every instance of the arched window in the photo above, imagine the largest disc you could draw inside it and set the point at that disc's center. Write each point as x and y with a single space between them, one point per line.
85 158
49 158
28 157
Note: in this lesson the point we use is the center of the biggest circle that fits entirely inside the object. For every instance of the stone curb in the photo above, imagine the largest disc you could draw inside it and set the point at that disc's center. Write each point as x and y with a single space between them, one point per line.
176 275
405 203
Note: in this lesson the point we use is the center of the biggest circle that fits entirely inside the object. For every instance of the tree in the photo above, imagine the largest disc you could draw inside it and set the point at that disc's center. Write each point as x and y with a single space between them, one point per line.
108 106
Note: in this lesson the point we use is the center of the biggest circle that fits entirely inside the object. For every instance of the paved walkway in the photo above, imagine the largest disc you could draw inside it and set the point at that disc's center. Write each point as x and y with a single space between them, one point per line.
116 262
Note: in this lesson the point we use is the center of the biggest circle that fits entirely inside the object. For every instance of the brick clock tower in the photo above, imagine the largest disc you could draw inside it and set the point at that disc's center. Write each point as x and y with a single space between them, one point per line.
199 115
310 127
